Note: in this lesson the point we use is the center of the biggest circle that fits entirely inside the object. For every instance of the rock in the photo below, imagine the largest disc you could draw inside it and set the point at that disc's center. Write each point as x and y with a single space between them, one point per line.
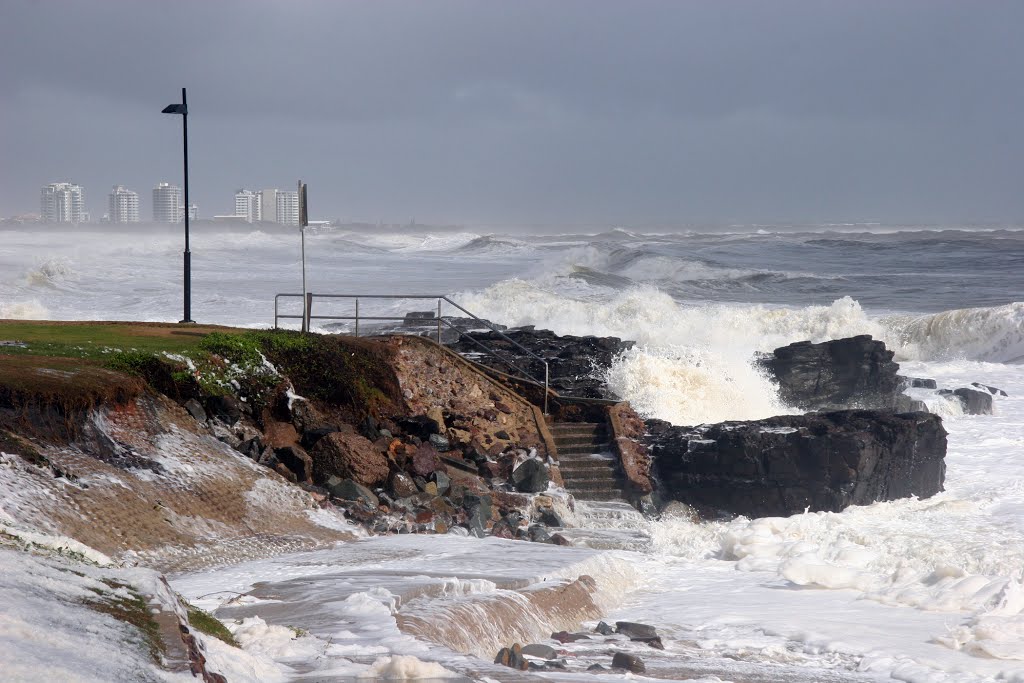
425 461
604 628
907 404
297 460
856 372
559 539
251 447
635 631
402 485
226 408
512 657
311 436
349 456
566 637
437 415
918 383
419 425
538 534
443 482
632 663
346 489
641 633
439 442
782 465
195 409
549 517
975 402
531 476
992 390
596 667
541 651
368 428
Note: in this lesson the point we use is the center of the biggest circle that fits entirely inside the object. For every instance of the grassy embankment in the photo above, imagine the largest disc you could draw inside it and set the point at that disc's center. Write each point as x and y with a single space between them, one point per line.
74 366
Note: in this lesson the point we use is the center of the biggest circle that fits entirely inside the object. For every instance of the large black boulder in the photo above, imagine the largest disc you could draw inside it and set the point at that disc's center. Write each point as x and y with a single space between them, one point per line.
531 476
857 372
783 465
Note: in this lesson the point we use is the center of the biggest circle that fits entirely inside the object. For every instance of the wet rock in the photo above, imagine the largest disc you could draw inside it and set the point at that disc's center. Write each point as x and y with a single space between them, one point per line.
559 539
402 485
195 409
512 657
918 383
251 448
346 489
349 456
975 402
531 476
439 442
538 534
632 663
541 651
641 633
369 428
297 460
906 404
604 628
419 425
226 408
549 517
596 667
566 637
781 465
992 390
856 372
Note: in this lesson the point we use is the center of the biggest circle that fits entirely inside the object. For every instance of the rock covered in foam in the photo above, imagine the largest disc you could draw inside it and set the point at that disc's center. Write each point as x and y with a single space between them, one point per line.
843 373
784 465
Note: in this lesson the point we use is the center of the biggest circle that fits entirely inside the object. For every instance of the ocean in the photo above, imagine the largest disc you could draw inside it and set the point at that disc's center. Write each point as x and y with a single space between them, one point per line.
912 590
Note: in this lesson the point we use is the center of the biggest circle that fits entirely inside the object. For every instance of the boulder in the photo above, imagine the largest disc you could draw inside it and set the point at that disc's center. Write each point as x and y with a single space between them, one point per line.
538 534
512 657
439 442
604 629
251 447
346 489
226 408
783 465
426 461
857 372
402 485
641 633
531 476
632 663
443 482
195 409
310 437
540 651
297 460
975 402
918 383
349 456
992 390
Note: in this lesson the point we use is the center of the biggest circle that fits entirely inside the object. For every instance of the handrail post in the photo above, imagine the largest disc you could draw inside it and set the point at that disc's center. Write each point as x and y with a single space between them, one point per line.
307 311
439 320
546 378
357 316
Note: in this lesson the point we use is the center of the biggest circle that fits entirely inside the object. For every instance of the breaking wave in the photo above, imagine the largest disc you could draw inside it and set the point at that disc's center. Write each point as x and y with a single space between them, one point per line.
994 334
51 272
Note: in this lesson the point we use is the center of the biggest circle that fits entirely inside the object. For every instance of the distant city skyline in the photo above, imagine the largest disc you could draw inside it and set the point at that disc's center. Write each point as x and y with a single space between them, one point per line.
576 112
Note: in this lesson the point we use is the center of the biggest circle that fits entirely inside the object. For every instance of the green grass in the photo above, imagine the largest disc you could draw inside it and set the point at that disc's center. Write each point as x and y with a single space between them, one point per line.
133 610
205 622
99 340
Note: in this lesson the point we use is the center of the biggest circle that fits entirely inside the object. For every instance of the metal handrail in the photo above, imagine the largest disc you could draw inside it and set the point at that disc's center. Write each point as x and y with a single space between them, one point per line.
439 319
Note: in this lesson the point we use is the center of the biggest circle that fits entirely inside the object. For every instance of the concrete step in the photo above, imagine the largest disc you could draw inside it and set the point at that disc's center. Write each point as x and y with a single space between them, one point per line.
599 495
584 451
576 428
573 440
592 466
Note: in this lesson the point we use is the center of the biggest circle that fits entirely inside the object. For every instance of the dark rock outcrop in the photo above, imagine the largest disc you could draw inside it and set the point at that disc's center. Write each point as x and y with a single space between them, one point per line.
621 660
575 364
857 372
783 465
975 402
530 477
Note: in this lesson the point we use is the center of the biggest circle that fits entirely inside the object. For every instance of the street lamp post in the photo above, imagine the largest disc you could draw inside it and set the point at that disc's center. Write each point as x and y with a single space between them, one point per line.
183 110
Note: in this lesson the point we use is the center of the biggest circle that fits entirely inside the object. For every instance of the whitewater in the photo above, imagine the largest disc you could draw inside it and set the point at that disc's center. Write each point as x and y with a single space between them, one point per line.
912 590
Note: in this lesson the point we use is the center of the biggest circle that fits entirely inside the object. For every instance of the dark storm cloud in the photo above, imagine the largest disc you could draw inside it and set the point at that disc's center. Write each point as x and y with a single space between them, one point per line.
584 111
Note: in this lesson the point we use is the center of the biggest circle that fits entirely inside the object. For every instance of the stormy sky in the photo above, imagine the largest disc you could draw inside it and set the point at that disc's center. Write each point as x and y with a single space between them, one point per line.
527 112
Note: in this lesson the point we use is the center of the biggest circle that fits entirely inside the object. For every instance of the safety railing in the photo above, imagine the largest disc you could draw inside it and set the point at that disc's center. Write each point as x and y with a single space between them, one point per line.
440 320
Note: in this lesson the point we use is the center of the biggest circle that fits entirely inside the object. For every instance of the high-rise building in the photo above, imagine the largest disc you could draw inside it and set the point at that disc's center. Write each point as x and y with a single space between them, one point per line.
249 205
62 203
167 204
269 199
123 205
287 207
193 212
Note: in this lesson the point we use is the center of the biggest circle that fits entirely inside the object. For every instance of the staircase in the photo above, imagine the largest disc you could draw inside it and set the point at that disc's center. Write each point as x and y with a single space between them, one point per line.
585 459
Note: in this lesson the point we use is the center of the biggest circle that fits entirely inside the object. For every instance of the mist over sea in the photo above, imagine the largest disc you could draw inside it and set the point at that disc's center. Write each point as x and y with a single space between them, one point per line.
911 590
